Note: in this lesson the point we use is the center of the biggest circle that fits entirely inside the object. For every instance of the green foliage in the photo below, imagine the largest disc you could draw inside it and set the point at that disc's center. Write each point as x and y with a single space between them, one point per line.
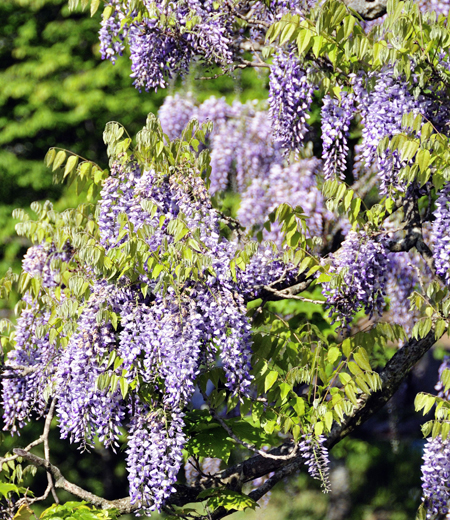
6 488
222 497
77 511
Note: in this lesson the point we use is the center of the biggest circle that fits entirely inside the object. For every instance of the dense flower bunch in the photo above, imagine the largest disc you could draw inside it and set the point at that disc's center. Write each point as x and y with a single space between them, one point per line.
245 157
241 142
315 455
290 97
336 117
382 109
440 237
436 465
361 262
402 280
435 475
112 35
33 349
85 411
295 184
167 37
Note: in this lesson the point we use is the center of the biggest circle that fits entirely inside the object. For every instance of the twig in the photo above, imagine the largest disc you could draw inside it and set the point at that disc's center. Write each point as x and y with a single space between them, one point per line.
123 504
33 444
24 371
286 295
48 422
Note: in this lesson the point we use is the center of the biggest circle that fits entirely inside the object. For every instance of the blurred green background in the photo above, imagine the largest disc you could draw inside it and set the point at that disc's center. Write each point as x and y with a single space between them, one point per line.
56 91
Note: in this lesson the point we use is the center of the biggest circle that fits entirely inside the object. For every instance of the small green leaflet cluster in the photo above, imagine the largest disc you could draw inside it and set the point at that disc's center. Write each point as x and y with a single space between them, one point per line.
77 511
306 380
331 33
424 152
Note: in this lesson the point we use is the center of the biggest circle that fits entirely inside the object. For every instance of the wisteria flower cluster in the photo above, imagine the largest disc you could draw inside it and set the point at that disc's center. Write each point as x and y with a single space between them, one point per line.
362 264
290 98
167 37
440 236
336 118
436 465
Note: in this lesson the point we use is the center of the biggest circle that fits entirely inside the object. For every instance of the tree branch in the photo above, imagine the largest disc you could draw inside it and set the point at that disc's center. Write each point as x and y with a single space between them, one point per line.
367 9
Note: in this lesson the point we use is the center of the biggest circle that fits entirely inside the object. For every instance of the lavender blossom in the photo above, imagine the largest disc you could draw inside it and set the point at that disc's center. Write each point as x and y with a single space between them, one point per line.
440 236
436 464
112 35
402 280
84 410
290 98
336 118
154 457
296 185
315 455
175 113
382 110
362 263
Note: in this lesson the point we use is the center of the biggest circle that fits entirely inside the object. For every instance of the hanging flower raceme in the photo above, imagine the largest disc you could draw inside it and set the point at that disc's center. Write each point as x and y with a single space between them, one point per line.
290 98
362 263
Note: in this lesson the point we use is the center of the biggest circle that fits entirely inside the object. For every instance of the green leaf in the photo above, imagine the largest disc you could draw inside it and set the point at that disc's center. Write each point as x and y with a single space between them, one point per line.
287 33
350 393
445 378
285 389
348 24
440 328
124 385
59 160
328 420
6 488
70 165
270 379
213 443
231 500
362 358
94 6
50 157
423 159
304 40
333 354
421 513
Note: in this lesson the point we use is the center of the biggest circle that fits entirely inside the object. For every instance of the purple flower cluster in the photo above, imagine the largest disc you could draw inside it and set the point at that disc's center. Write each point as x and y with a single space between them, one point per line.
402 280
175 113
435 476
436 464
295 184
154 457
336 118
315 455
33 350
440 236
23 395
156 55
158 49
290 97
84 410
163 342
382 110
112 35
116 198
361 262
